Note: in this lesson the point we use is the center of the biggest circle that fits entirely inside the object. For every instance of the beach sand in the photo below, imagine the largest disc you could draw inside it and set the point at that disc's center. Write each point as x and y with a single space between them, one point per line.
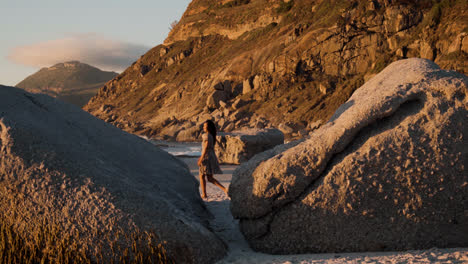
239 251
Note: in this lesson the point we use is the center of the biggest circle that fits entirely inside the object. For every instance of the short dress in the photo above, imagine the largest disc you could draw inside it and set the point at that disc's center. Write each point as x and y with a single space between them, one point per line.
209 164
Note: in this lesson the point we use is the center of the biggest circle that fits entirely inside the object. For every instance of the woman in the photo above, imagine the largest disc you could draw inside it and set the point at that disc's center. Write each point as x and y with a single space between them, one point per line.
208 162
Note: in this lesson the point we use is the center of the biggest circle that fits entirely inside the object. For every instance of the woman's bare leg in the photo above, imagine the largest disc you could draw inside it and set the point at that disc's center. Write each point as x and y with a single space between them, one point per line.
216 182
203 185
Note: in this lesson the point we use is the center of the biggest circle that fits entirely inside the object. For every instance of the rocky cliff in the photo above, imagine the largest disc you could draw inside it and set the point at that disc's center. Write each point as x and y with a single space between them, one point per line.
73 82
261 63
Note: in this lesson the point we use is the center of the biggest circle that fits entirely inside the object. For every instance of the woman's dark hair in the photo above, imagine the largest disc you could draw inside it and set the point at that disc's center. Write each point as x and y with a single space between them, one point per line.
211 129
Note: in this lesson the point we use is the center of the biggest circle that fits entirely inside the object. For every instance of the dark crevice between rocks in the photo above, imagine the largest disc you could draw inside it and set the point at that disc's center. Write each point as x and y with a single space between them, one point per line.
406 109
36 102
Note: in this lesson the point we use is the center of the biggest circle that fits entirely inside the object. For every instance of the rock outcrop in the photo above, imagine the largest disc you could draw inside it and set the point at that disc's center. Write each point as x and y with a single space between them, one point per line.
239 146
292 62
62 166
388 171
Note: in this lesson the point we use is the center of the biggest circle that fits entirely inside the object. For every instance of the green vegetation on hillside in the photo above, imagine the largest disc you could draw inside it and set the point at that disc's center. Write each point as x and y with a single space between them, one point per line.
285 6
235 3
432 19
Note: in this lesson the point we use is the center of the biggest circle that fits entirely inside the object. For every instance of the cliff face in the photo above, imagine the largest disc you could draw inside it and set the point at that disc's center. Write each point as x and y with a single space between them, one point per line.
73 82
263 63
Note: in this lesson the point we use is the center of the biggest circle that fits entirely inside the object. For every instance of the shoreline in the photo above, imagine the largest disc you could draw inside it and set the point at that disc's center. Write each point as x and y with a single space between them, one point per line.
227 228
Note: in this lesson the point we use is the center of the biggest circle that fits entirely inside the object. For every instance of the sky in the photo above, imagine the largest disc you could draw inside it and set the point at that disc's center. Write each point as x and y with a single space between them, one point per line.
108 34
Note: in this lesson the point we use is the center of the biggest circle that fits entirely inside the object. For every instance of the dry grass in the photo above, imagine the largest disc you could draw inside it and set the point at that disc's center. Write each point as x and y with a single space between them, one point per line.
49 246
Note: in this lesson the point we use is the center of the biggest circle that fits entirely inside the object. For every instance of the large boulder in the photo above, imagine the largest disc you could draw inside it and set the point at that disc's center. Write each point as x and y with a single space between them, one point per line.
189 134
239 146
386 172
95 184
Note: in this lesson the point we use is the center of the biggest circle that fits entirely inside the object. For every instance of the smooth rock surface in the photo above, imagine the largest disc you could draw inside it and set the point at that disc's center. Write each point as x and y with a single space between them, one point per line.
60 164
239 146
386 172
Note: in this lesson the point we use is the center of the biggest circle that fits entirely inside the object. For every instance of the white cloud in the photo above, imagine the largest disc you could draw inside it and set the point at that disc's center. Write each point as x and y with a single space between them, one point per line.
93 49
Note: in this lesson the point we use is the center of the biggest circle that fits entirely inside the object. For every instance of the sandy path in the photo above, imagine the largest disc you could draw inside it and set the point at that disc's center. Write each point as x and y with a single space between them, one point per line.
239 251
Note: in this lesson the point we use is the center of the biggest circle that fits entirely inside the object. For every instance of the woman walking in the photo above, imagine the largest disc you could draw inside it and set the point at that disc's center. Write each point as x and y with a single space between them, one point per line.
208 162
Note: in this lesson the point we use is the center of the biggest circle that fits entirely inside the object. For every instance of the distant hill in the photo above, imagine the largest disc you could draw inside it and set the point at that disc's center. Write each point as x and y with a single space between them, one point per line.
73 82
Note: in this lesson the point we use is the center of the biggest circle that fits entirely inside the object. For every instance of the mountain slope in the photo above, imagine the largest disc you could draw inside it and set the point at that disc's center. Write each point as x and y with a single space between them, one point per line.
256 63
73 82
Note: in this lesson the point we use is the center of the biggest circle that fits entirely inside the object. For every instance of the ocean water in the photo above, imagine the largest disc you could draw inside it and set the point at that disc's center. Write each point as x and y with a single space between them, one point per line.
180 149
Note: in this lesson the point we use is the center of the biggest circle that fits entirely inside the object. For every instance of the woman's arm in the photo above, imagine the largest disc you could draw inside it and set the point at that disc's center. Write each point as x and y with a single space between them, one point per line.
203 154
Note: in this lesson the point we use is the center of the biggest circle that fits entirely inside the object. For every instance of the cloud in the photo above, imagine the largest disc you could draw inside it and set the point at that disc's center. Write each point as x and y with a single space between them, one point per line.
91 48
